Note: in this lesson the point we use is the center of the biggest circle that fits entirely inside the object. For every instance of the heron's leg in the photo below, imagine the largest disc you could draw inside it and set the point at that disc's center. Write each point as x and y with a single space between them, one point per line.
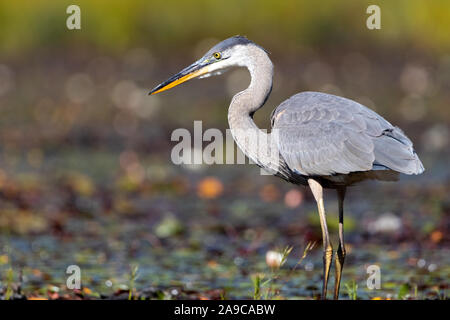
317 191
340 253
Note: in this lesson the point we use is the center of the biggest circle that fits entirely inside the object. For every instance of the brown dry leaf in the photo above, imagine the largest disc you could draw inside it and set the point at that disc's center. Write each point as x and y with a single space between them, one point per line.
436 236
87 290
209 188
37 298
81 184
36 272
23 221
212 264
269 193
4 259
393 254
3 179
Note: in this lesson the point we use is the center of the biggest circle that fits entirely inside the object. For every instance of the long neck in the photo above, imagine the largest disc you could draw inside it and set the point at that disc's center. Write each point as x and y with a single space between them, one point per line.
257 144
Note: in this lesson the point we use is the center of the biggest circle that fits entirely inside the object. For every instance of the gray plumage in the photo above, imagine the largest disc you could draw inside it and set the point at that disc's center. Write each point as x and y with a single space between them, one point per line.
336 140
326 135
230 43
317 139
333 139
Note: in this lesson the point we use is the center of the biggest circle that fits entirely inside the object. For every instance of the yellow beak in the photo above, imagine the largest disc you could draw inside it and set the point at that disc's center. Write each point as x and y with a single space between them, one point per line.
193 71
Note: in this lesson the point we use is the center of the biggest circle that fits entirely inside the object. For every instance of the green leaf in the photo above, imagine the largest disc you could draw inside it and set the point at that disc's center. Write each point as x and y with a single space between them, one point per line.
403 291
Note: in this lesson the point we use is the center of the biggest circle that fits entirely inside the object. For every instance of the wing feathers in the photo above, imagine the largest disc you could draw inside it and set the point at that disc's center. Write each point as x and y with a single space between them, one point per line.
322 134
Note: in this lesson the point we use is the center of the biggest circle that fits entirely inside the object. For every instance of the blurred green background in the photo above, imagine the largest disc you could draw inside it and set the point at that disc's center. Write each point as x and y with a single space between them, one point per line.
85 170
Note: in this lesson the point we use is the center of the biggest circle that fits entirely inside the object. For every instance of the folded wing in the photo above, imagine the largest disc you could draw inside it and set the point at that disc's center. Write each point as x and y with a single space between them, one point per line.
323 134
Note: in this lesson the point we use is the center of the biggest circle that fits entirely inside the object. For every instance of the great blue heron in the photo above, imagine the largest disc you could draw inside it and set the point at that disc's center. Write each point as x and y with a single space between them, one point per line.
322 140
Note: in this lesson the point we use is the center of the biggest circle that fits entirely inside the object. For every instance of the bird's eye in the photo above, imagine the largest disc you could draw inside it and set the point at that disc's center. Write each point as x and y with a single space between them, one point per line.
217 55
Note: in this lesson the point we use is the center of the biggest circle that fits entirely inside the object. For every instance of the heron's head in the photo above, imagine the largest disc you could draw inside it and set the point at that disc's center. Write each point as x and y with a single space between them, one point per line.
228 53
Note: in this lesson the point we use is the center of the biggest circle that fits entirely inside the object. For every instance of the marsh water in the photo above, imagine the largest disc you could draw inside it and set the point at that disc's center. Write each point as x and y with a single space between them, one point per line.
175 234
